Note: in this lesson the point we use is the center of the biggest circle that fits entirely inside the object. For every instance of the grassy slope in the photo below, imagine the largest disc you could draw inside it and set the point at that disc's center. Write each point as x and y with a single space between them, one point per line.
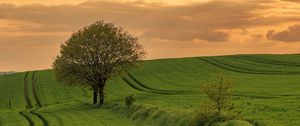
51 103
266 90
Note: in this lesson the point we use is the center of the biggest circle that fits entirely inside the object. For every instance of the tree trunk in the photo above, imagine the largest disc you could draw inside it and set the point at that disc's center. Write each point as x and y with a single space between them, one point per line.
95 95
101 95
101 91
219 111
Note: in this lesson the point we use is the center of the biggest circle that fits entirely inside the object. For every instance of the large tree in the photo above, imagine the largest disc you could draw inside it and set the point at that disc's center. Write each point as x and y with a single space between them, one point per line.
94 53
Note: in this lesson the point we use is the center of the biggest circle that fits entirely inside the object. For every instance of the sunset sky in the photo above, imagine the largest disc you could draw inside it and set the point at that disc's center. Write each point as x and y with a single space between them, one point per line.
31 31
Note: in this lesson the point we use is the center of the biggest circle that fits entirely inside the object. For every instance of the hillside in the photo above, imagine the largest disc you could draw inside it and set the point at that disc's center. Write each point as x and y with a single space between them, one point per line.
266 92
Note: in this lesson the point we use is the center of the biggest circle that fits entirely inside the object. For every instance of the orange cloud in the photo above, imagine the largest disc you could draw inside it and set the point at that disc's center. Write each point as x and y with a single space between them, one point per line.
297 1
211 27
292 34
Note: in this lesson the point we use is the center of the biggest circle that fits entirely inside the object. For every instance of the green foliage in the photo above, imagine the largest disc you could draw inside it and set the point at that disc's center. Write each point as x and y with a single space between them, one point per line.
145 114
219 92
94 53
204 115
129 100
233 123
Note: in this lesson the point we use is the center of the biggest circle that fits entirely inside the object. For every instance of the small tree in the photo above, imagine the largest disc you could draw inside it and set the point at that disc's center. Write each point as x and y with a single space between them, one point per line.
219 92
91 55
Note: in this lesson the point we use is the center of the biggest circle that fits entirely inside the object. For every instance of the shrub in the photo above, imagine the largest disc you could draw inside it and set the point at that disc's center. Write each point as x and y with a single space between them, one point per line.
219 93
129 100
204 115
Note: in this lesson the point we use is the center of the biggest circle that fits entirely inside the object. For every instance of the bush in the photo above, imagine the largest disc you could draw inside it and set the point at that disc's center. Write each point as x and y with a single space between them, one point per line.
219 93
129 100
213 113
233 123
204 115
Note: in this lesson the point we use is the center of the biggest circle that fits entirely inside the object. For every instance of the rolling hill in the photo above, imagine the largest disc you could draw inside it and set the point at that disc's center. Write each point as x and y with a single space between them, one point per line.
266 91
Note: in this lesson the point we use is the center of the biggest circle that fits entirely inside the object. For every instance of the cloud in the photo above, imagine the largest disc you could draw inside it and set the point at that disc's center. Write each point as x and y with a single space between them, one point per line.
184 22
208 35
257 37
292 34
33 32
296 1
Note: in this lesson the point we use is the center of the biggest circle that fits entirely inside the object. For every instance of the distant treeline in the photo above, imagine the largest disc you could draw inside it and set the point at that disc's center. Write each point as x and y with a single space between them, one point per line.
3 73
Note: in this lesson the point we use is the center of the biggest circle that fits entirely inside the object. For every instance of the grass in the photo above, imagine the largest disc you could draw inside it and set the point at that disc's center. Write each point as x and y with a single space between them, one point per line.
266 92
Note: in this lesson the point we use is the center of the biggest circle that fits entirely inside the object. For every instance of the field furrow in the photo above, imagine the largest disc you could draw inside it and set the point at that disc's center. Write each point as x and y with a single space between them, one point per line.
42 118
27 100
246 70
153 89
29 114
268 61
9 105
37 100
28 118
26 93
35 89
139 88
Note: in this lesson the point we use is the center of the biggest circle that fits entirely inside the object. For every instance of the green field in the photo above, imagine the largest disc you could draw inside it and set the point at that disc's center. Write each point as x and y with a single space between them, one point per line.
266 91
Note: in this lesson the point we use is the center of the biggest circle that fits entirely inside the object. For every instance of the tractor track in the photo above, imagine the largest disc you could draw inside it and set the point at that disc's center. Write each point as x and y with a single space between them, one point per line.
28 118
35 90
45 122
37 99
26 94
9 105
144 88
268 61
149 88
30 109
27 101
137 88
237 69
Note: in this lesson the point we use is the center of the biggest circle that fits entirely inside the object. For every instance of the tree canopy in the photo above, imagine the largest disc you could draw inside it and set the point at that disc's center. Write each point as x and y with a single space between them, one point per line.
94 53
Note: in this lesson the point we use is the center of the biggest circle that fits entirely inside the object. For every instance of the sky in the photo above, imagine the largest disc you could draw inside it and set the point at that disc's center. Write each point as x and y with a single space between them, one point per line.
31 31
